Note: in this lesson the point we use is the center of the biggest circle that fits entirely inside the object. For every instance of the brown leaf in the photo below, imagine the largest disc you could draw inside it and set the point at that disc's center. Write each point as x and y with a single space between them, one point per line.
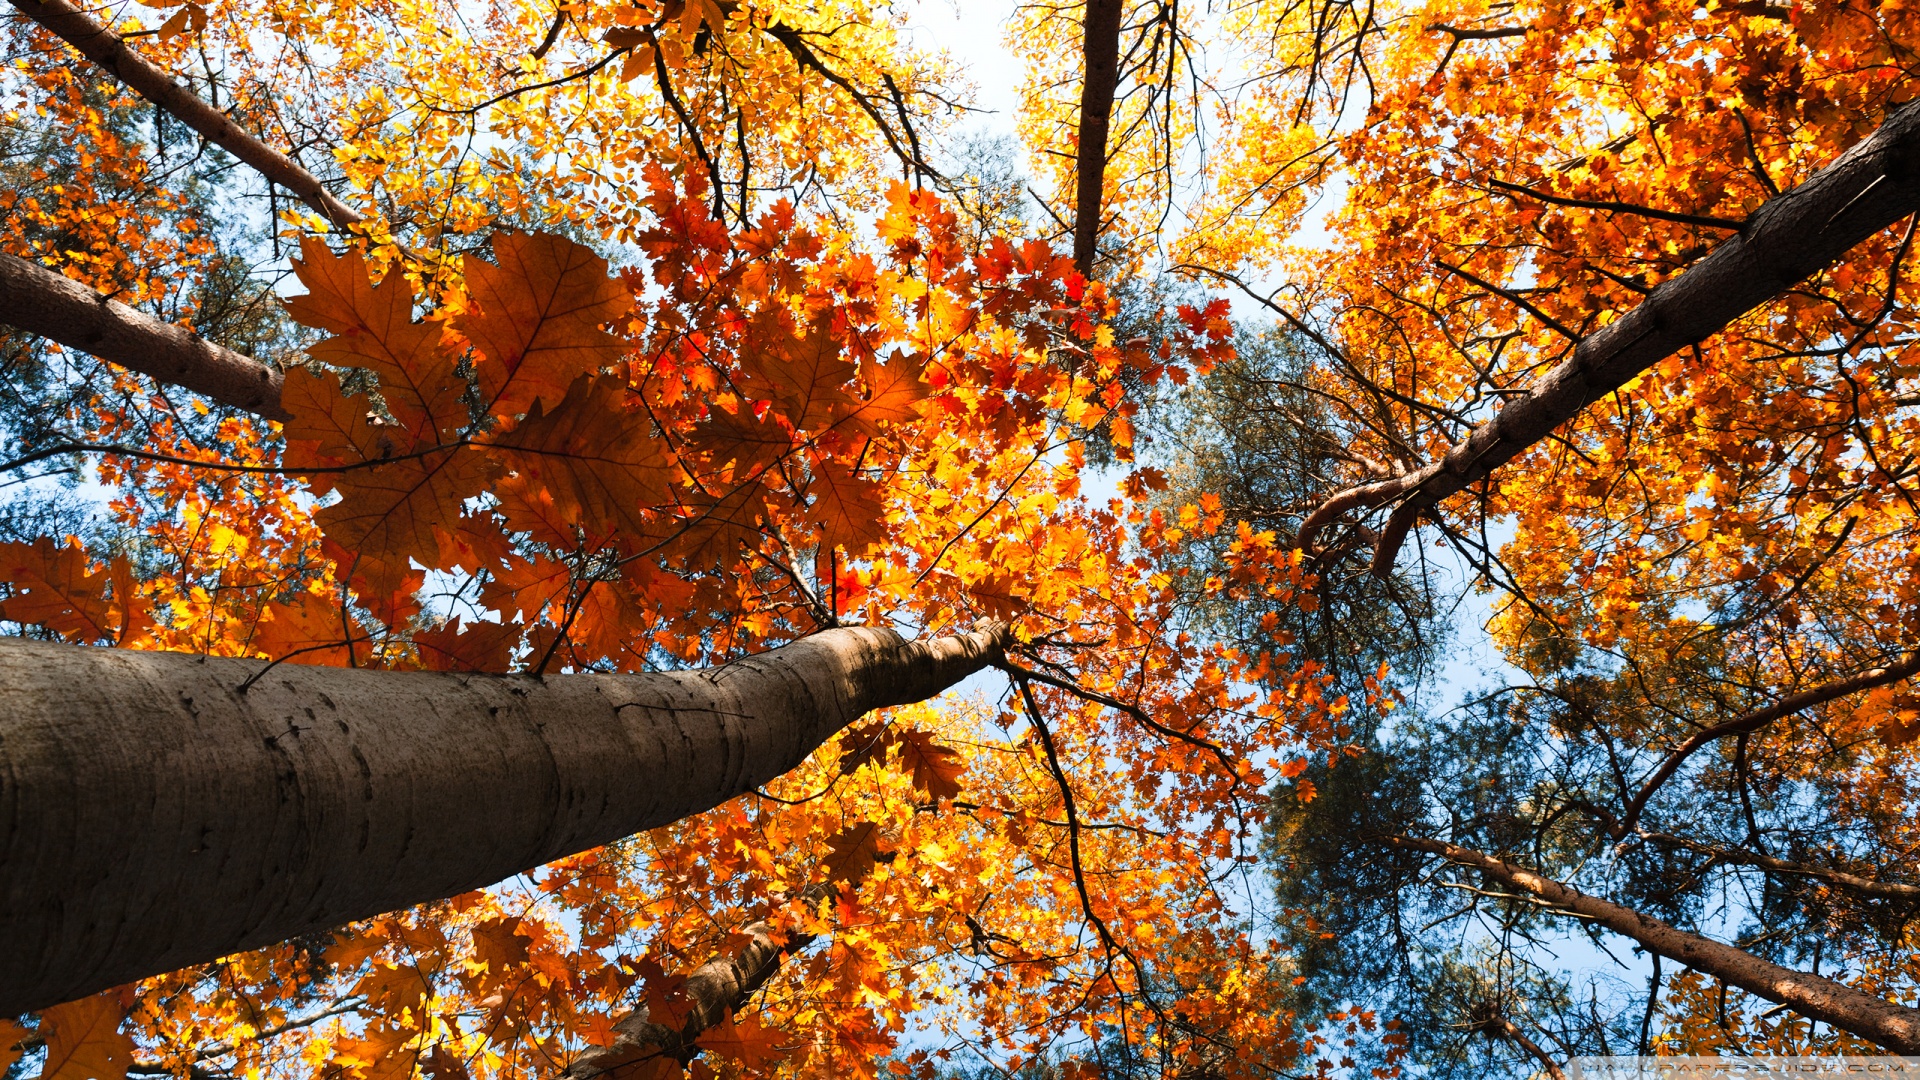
537 319
53 588
373 328
477 646
852 851
84 1041
748 1043
847 507
590 463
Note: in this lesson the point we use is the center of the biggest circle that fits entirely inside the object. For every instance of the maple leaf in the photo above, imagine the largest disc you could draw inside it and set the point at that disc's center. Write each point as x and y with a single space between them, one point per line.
749 1043
381 1053
847 507
935 769
399 489
12 1035
804 376
309 628
476 646
499 944
84 1041
53 588
536 319
852 852
373 328
589 463
894 392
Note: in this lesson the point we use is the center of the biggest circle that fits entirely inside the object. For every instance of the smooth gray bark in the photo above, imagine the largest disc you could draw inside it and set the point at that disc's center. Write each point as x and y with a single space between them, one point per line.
1789 238
58 308
105 48
154 815
1877 1020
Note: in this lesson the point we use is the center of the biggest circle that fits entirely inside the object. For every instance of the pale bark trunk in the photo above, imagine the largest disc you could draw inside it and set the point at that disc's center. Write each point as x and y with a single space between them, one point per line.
154 815
105 48
39 301
1100 34
1790 237
1877 1020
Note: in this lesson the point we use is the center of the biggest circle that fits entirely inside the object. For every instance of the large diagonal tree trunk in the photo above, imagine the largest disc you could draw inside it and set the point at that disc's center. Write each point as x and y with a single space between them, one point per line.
159 809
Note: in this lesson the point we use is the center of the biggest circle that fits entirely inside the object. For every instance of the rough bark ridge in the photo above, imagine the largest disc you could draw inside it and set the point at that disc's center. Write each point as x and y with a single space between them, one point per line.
1790 237
154 814
39 301
105 48
1101 33
1893 1026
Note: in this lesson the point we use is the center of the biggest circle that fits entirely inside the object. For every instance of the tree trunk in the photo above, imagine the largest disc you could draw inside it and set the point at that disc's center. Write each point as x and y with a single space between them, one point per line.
1101 38
1893 1026
159 809
58 308
105 48
1791 236
714 992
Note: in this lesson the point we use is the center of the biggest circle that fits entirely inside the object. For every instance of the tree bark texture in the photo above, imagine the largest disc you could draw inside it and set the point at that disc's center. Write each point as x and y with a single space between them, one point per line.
105 48
1101 34
155 814
1893 1026
54 306
1789 238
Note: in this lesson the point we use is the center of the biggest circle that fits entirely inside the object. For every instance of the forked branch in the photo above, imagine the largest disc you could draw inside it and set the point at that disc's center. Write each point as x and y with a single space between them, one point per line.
1790 237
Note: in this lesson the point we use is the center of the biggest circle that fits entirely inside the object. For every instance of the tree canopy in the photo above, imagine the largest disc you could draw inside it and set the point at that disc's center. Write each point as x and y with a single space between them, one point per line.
445 439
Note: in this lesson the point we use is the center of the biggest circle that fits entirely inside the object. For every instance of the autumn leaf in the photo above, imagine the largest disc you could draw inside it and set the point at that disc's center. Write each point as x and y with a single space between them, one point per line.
749 1043
84 1041
935 769
467 646
804 377
852 852
588 463
53 588
499 944
537 317
310 629
12 1035
847 507
373 328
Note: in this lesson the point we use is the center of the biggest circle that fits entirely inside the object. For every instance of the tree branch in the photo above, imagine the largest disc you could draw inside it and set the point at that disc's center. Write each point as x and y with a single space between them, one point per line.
105 48
1789 238
39 301
1101 36
1815 997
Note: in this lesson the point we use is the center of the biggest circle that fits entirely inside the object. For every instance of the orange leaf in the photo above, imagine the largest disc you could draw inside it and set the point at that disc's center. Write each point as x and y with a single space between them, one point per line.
749 1043
478 646
804 377
84 1040
52 588
11 1036
852 851
374 328
593 459
309 629
847 507
499 944
537 319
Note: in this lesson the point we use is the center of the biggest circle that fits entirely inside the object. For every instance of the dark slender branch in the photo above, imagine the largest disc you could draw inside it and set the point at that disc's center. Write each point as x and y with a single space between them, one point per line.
1754 721
1703 220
